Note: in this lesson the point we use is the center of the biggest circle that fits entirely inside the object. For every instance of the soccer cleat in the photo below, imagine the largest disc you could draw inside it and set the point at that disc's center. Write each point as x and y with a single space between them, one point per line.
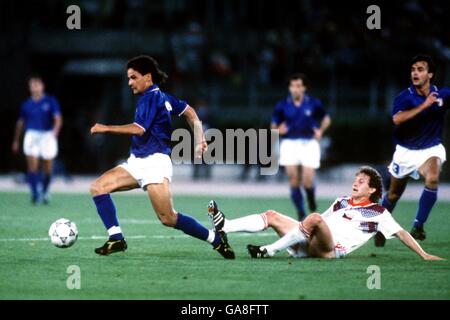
224 248
216 216
380 240
418 233
256 252
111 246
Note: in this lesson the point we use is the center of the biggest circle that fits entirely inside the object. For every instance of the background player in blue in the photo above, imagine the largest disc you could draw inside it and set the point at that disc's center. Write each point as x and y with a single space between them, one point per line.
418 115
301 121
149 165
40 115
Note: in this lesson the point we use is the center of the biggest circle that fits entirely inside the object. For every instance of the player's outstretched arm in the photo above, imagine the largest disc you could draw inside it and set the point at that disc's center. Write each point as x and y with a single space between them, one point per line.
57 120
406 115
410 242
324 125
129 129
196 126
17 133
282 127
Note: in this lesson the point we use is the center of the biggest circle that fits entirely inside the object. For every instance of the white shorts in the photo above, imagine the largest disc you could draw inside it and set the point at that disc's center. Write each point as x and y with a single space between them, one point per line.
304 152
406 162
40 144
151 169
339 251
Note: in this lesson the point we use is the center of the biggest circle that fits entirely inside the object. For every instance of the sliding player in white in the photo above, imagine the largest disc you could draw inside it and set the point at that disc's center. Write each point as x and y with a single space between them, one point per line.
347 225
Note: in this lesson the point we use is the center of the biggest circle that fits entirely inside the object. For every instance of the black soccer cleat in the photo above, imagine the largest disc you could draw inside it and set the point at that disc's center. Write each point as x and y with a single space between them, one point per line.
256 252
418 233
111 246
224 247
380 240
216 216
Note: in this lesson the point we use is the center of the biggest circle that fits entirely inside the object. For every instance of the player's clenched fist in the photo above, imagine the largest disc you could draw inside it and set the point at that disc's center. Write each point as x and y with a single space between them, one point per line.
432 98
98 128
200 148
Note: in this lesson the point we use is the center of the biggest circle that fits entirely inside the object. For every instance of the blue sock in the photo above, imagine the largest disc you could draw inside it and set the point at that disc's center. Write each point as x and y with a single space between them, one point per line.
297 198
107 212
311 196
46 182
191 227
33 179
390 206
426 203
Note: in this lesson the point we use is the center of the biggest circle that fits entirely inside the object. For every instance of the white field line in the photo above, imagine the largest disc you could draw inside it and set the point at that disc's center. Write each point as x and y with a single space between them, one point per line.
265 234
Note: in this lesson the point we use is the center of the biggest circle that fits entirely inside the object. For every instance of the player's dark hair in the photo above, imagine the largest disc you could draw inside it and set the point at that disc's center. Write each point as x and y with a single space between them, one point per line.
35 76
298 76
146 64
376 182
427 59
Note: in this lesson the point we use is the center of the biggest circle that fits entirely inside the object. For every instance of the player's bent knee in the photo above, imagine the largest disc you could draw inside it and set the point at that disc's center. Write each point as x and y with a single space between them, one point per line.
432 180
315 218
270 214
293 181
272 217
168 220
97 189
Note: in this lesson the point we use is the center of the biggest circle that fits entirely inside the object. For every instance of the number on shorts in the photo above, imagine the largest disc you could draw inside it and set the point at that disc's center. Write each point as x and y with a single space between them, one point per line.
395 168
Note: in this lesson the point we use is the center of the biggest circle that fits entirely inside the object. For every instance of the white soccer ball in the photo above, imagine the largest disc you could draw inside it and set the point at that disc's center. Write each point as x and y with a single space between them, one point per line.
63 233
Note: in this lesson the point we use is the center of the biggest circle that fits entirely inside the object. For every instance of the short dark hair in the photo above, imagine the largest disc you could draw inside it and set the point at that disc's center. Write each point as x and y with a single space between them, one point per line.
35 76
146 64
427 59
298 76
376 182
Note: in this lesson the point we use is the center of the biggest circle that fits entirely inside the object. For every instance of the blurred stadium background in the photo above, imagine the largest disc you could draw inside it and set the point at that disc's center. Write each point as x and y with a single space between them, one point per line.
229 59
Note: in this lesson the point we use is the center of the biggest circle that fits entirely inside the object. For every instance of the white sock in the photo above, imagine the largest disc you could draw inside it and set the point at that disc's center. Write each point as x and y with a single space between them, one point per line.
292 237
252 223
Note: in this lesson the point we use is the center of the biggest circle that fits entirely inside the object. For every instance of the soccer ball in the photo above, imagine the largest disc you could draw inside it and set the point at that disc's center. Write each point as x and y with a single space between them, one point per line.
63 233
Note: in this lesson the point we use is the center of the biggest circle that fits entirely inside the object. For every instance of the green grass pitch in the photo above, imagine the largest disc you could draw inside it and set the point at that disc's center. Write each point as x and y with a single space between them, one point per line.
162 263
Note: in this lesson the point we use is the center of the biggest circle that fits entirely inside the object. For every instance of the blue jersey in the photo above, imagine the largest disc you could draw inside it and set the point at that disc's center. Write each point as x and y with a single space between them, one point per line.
300 120
425 129
39 115
153 114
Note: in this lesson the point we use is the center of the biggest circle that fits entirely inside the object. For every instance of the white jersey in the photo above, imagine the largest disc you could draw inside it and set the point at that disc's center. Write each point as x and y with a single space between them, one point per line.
354 225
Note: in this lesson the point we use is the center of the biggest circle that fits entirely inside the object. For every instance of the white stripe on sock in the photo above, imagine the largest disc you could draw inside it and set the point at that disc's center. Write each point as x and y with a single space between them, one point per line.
114 230
211 236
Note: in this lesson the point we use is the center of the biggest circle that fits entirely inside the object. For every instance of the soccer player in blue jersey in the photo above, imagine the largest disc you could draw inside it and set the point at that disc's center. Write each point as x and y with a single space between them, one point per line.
301 121
149 165
40 116
418 115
